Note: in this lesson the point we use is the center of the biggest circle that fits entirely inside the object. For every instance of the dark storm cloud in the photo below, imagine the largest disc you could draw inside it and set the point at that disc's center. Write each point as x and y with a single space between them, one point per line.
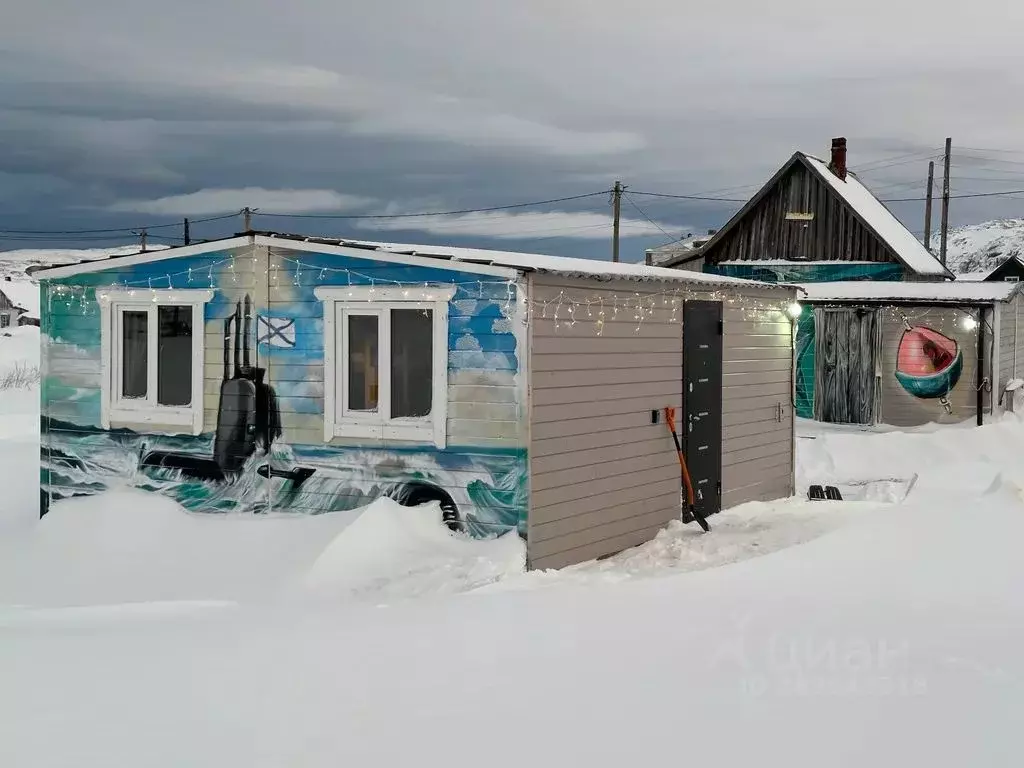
458 104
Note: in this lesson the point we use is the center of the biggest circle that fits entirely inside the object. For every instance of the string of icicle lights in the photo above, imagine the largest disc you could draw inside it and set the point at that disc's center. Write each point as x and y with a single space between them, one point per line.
564 310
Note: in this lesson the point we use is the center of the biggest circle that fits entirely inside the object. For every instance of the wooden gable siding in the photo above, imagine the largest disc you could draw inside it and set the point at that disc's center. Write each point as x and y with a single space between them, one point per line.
5 303
834 234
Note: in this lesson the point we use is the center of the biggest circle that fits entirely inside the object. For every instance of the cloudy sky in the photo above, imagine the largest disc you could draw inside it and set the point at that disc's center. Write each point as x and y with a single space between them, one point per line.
117 113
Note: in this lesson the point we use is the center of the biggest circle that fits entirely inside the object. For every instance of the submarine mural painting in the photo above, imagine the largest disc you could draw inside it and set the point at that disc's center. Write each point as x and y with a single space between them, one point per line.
261 447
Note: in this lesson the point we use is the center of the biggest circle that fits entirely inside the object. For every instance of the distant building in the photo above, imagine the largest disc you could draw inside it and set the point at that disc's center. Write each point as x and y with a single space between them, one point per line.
815 221
678 253
19 303
1010 270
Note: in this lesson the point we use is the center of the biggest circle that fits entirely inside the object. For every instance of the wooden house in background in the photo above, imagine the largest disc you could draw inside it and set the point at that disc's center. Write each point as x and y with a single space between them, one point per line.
814 221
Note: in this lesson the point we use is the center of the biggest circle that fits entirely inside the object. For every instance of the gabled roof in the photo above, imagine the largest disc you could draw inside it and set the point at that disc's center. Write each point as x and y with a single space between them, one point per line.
985 274
23 294
907 291
865 206
465 259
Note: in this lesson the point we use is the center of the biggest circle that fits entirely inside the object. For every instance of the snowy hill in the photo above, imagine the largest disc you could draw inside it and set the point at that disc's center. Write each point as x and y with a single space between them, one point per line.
981 247
14 263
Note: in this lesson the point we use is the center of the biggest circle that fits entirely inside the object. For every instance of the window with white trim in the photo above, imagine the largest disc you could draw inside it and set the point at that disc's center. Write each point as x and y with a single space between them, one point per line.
5 320
152 347
386 363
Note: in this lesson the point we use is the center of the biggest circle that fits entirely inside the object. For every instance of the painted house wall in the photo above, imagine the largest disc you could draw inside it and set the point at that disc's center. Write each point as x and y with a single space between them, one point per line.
904 396
482 467
604 478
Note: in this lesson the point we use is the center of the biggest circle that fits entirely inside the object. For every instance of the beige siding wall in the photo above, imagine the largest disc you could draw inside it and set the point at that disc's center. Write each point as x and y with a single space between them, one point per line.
1010 347
602 477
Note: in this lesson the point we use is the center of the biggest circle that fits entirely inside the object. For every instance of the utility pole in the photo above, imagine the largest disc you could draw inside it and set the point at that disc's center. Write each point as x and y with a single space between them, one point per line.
945 202
142 240
188 239
246 219
928 207
616 211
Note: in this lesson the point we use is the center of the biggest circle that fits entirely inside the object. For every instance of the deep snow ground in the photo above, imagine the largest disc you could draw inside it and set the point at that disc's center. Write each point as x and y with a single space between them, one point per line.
881 632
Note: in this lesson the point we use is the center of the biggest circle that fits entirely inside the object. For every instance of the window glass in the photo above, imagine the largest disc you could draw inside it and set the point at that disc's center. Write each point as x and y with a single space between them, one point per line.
5 320
363 365
174 355
412 358
134 354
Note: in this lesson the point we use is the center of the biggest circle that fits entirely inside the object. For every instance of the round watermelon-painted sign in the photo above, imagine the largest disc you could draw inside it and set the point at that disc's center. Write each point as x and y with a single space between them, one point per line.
928 363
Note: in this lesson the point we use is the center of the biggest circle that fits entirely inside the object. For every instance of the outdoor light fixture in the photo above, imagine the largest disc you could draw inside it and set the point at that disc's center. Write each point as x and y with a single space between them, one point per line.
794 310
970 323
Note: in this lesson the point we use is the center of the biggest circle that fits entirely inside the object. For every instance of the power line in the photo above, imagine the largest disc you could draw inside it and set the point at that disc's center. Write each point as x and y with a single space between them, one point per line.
114 230
956 197
690 197
464 211
671 238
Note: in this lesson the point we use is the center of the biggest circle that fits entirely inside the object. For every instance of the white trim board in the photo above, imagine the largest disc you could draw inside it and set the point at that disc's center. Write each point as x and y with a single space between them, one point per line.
281 243
114 262
367 254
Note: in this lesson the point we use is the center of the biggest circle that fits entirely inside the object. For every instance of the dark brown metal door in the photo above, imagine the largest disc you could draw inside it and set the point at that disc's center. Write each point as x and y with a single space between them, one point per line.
702 403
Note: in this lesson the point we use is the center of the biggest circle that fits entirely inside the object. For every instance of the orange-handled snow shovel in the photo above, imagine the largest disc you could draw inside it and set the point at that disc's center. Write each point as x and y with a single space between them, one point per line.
691 504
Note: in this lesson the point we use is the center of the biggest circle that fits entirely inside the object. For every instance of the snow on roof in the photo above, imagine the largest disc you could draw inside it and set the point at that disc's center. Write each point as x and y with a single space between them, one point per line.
562 265
885 290
909 249
23 294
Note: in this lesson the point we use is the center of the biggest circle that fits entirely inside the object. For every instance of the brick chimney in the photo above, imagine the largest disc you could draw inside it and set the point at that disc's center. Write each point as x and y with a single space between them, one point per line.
838 162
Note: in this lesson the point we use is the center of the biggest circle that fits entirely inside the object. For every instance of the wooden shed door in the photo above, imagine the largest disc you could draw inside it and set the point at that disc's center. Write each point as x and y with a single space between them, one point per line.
702 402
847 343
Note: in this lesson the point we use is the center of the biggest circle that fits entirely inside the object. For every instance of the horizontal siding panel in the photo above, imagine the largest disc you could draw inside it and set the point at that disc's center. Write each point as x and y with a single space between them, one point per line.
781 390
594 363
756 378
668 503
570 493
559 444
744 455
601 525
603 376
476 429
736 349
651 450
639 407
483 411
743 473
658 511
667 390
599 345
781 437
613 329
598 470
570 428
736 366
768 411
765 490
735 346
594 550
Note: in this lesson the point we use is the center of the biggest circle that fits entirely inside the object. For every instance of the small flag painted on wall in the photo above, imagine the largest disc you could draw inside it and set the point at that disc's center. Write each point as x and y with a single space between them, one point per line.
275 331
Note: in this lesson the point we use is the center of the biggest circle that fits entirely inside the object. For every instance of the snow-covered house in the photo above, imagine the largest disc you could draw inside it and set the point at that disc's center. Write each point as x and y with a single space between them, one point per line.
519 392
909 353
19 303
815 221
1009 270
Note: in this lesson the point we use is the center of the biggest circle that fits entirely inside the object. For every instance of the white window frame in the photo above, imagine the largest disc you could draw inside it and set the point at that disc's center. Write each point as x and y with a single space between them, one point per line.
147 412
5 319
371 300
